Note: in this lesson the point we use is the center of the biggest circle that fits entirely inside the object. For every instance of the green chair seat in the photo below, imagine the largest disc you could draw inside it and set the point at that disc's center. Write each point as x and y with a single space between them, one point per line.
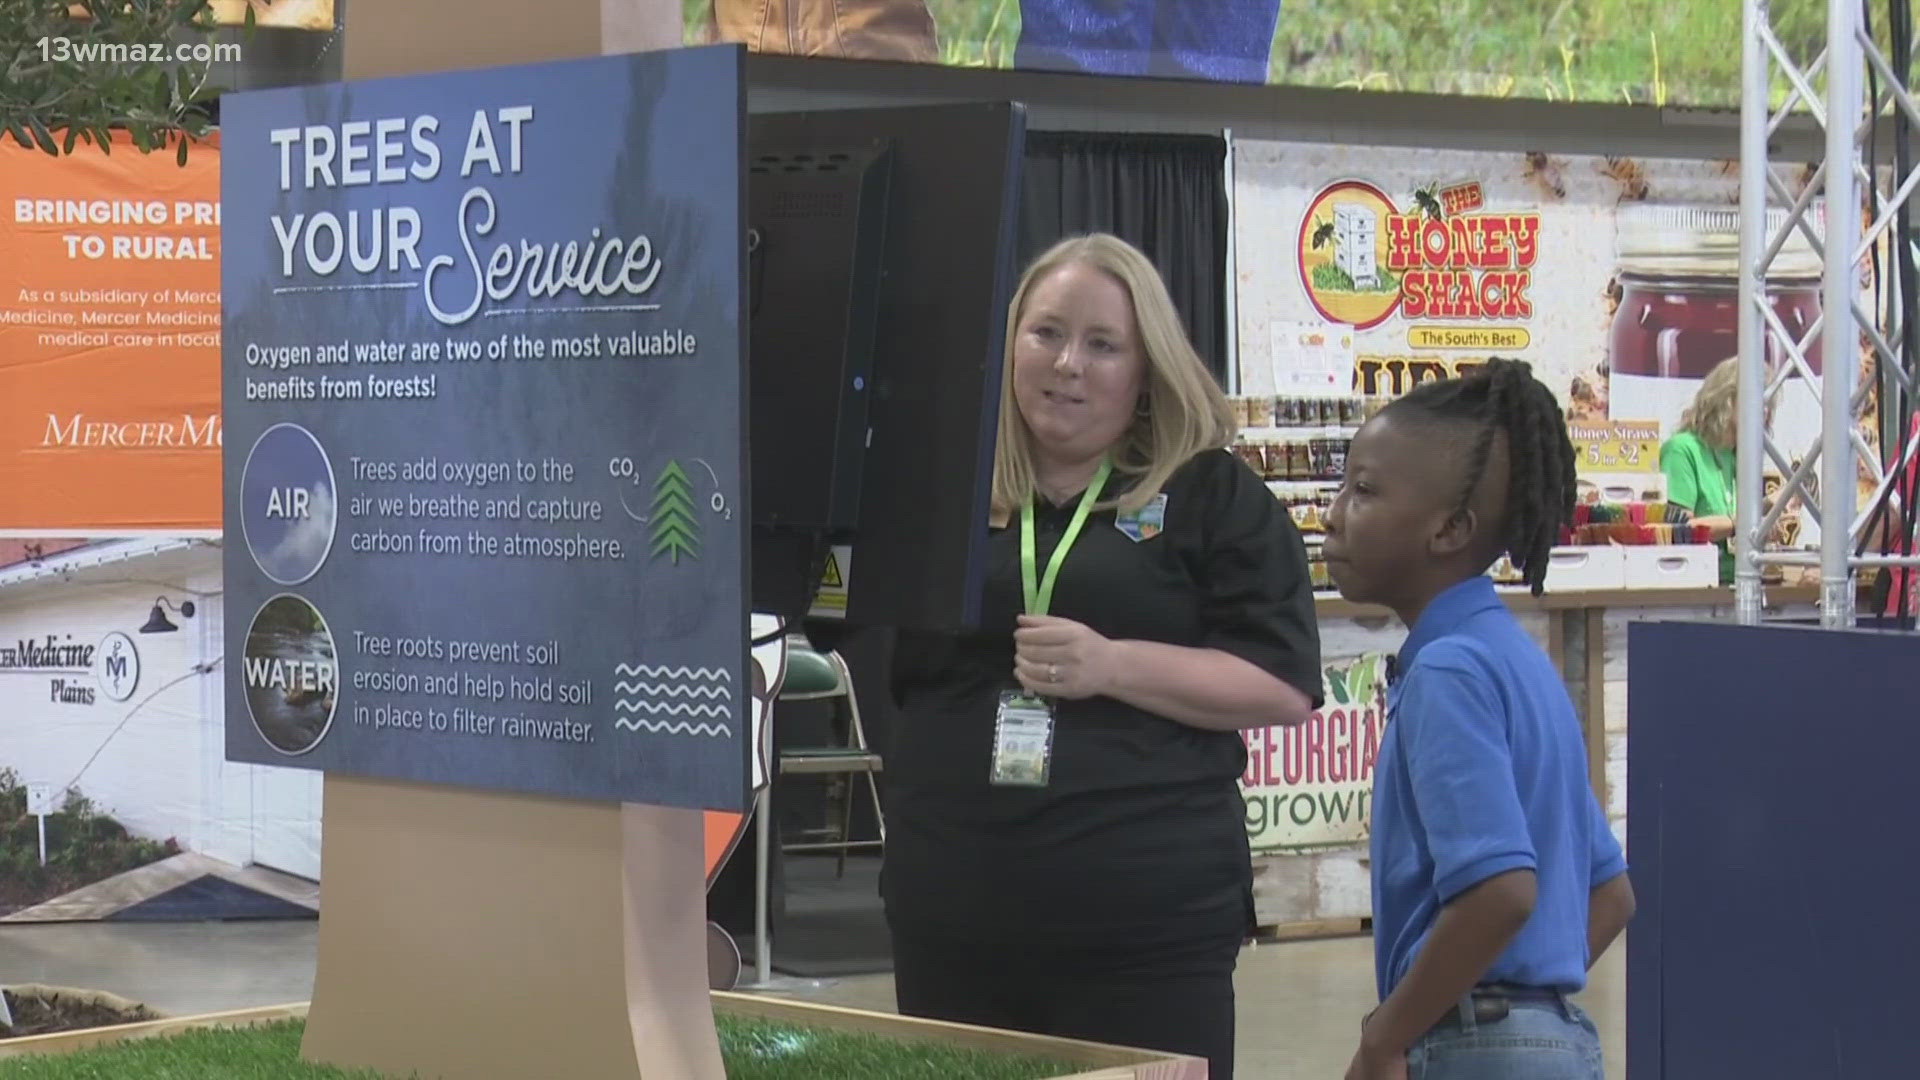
809 672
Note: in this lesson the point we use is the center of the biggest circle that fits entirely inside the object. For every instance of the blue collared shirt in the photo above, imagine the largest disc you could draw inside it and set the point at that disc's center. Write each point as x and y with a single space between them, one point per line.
1483 770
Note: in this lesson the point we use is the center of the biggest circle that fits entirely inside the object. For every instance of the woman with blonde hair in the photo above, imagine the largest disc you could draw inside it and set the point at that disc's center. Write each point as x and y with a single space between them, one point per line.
1699 459
1066 843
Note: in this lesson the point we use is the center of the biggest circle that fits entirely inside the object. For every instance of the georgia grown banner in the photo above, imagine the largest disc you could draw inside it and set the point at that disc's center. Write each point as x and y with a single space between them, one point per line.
1309 786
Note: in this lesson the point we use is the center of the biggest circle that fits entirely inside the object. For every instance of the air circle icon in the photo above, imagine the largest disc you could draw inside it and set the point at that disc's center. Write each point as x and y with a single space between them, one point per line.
291 673
289 504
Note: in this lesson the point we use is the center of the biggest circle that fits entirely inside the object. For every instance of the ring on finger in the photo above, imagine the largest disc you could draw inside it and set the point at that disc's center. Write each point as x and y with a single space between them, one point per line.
1053 672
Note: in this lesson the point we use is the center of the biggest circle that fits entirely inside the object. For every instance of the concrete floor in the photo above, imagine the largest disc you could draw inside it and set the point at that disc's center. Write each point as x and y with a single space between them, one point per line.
1300 1002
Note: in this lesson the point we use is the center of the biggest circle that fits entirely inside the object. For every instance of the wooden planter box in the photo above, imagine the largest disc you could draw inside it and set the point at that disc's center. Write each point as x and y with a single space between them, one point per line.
1100 1062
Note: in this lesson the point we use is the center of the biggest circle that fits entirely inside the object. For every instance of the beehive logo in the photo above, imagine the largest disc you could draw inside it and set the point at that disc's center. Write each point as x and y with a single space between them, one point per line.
1343 255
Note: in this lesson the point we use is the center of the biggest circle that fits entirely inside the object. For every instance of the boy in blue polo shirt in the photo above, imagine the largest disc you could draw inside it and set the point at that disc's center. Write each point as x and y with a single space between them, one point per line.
1496 881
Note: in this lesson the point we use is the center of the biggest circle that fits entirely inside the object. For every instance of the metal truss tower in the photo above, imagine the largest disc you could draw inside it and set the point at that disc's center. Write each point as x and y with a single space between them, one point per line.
1865 230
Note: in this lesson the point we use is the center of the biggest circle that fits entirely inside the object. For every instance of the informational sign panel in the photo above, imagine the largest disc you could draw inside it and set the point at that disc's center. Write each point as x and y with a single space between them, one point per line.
109 341
483 377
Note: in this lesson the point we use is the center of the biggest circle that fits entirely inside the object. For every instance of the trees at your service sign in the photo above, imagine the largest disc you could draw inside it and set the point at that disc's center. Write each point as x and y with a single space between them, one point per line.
483 452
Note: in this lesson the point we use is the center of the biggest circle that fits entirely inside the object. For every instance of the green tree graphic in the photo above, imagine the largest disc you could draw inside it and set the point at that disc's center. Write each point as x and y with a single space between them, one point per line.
676 531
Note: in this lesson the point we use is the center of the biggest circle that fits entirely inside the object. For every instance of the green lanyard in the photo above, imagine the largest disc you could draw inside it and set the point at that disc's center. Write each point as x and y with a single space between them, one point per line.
1040 597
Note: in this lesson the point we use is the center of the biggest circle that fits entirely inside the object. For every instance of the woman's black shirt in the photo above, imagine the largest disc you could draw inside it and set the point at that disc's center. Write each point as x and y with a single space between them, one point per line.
1140 831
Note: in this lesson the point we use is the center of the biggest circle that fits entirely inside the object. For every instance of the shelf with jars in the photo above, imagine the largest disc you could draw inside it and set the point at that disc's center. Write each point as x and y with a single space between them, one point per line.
1299 445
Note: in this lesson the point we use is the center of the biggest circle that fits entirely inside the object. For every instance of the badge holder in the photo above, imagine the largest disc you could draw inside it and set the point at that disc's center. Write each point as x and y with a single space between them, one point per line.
1022 741
1023 725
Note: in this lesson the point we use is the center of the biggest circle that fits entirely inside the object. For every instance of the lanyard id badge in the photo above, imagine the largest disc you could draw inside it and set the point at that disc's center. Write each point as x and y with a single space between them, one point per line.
1022 741
1023 723
1039 594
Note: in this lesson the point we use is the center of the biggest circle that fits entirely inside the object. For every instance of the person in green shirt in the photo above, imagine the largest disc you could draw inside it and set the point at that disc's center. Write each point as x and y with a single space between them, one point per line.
1698 460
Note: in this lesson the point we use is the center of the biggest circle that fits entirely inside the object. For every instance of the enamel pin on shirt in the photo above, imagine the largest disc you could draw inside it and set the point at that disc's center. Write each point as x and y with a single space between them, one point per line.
1146 522
1023 724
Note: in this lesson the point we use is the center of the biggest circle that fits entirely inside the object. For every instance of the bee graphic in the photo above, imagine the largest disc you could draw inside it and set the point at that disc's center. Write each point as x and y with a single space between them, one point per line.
1632 178
1429 202
1322 232
1544 172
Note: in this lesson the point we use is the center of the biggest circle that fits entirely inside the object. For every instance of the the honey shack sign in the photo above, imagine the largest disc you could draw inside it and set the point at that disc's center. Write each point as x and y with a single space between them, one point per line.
1311 786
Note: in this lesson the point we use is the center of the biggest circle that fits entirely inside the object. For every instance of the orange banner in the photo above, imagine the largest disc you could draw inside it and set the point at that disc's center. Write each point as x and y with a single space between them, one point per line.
109 341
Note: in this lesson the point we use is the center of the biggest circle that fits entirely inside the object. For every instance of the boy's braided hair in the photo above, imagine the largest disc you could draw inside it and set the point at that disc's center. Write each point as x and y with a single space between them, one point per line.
1503 395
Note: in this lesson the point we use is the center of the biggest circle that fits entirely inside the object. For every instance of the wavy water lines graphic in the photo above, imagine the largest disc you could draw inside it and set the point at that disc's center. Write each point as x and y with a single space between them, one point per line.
673 708
671 690
653 694
673 727
643 670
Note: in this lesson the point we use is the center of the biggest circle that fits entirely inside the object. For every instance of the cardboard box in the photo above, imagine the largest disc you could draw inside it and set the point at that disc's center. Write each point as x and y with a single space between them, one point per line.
1673 566
1586 569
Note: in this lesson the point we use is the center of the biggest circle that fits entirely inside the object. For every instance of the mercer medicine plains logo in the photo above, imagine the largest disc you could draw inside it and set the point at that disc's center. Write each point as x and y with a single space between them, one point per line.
79 673
116 667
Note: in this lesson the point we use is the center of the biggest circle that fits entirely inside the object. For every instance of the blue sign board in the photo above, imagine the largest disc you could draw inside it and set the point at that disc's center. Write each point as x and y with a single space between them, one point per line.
482 366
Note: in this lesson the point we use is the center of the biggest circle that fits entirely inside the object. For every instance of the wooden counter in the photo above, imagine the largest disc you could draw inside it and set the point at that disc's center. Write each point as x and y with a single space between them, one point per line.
1332 606
1301 783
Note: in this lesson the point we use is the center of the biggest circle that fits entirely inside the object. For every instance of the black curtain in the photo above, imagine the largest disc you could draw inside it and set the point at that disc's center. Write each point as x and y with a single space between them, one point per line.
1165 194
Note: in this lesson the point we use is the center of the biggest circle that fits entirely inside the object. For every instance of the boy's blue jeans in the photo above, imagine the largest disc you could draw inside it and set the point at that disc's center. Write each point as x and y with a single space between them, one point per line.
1217 40
1549 1039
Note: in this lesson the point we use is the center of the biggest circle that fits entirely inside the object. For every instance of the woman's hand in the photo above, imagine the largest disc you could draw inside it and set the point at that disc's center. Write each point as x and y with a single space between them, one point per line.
1201 688
1718 526
1060 658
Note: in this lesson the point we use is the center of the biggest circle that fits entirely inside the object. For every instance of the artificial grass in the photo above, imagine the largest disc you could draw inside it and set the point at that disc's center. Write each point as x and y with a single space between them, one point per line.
761 1050
751 1049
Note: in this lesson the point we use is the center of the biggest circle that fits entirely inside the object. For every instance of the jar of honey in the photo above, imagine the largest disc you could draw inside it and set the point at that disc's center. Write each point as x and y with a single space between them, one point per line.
1327 454
1275 455
1297 464
1317 569
1679 273
1255 457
